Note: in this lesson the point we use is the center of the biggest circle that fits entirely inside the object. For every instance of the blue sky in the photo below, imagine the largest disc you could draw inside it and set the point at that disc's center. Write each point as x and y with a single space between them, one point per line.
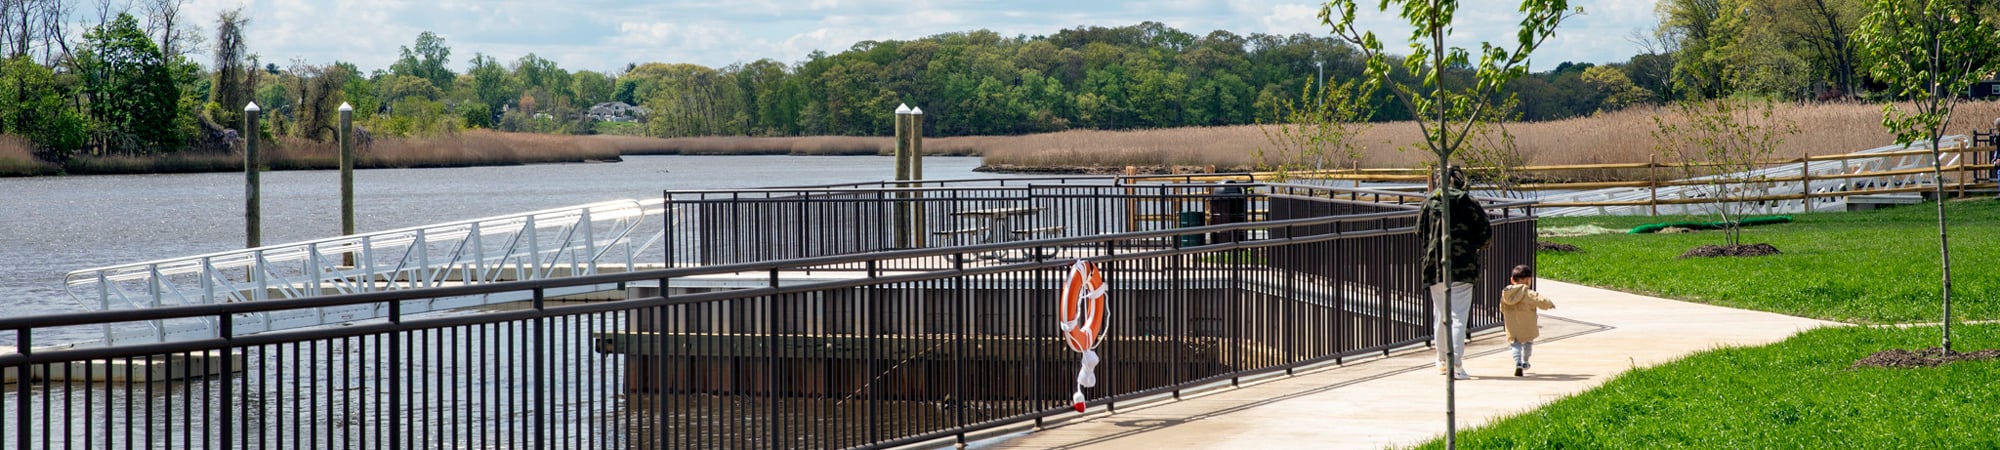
604 35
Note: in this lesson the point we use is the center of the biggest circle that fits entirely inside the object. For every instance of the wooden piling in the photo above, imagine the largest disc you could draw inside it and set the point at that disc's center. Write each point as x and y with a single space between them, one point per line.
1653 183
913 125
346 135
252 220
346 169
903 232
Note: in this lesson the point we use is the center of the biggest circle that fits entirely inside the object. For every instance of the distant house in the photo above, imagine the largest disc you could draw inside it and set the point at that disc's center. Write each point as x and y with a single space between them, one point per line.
1985 89
616 112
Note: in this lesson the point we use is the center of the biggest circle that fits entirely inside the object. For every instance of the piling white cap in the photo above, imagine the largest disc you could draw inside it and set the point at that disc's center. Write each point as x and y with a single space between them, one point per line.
345 108
902 109
916 111
252 108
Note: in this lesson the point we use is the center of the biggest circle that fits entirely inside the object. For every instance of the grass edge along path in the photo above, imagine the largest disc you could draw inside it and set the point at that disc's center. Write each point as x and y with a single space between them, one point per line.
1870 267
1799 393
1802 392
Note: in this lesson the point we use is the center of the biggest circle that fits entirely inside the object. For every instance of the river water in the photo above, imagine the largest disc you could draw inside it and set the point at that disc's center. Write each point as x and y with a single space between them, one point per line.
50 226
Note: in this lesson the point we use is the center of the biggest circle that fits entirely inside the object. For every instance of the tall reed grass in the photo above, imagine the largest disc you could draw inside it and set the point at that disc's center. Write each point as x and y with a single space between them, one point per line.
1618 137
804 145
469 148
17 158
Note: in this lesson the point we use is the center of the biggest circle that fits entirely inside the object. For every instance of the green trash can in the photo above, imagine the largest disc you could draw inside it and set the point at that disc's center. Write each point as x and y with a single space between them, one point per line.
1192 219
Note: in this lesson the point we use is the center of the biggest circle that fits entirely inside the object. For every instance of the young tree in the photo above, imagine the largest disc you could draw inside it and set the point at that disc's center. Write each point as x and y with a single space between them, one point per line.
1316 127
1447 107
1929 52
1718 138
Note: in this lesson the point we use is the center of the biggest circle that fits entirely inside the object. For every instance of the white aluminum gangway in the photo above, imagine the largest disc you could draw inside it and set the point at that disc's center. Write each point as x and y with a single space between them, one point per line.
555 243
1901 169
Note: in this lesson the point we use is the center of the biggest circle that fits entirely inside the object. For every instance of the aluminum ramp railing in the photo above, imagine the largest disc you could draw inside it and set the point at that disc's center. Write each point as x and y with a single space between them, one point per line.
555 243
1752 188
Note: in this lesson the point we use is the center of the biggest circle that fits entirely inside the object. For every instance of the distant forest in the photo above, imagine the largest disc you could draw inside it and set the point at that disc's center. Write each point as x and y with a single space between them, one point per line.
132 84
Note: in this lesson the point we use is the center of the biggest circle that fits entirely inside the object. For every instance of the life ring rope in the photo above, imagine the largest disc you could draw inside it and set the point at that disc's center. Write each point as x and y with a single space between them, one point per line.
1082 313
1083 307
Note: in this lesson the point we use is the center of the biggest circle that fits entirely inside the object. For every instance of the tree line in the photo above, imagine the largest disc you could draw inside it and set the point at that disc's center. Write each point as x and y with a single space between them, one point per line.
132 84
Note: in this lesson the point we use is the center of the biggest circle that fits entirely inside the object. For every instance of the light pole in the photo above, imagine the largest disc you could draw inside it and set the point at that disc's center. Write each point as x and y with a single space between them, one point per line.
1319 101
1319 80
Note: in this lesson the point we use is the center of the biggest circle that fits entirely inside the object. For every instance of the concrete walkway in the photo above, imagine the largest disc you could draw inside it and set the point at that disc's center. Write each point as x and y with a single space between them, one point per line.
1593 335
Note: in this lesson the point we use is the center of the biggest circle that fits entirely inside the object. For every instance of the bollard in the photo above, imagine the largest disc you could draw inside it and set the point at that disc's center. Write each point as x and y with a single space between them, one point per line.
252 223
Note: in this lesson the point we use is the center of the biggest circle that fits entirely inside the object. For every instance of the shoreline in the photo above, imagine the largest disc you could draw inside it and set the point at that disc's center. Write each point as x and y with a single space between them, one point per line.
1619 137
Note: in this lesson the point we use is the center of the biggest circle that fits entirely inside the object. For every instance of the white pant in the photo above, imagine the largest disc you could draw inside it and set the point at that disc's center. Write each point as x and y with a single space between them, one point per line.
1461 306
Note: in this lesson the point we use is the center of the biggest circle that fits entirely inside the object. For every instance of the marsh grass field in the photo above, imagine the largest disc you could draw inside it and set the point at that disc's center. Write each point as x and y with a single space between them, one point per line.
1616 137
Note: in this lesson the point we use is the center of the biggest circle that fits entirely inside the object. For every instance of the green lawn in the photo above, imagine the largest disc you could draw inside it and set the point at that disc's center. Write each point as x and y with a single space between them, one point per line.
1798 393
1866 267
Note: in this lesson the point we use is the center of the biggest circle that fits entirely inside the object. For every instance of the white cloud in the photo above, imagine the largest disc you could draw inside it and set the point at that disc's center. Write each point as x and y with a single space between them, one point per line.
1292 18
607 34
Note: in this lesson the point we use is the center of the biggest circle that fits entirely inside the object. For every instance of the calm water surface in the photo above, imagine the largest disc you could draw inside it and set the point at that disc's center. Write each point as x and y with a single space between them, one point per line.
53 225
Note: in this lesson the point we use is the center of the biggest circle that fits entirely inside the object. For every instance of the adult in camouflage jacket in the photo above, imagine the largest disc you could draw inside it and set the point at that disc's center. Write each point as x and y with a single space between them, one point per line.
1470 232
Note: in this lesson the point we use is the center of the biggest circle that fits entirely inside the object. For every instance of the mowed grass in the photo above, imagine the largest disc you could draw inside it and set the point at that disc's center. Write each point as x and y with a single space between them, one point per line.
1802 393
1861 267
1796 394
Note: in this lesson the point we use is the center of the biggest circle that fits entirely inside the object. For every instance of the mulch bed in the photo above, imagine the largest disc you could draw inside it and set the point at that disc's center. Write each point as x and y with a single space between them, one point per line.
1557 247
1929 357
1712 250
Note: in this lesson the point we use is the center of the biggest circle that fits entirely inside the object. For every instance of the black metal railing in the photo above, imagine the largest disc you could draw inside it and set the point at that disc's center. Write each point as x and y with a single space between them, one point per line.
878 348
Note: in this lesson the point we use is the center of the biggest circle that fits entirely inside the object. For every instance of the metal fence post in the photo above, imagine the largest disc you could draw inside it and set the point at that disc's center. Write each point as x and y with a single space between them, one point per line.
22 393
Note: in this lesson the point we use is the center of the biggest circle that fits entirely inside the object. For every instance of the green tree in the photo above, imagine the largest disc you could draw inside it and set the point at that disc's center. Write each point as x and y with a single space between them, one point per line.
493 87
359 91
1929 52
132 94
590 88
393 89
1691 26
536 72
430 60
1618 91
34 104
1448 110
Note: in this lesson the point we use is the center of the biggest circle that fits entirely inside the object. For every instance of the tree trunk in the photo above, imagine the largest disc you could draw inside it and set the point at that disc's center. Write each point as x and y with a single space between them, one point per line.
1944 242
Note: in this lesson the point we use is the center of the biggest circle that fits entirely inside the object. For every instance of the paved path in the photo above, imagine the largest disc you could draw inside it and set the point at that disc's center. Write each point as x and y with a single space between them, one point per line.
1592 336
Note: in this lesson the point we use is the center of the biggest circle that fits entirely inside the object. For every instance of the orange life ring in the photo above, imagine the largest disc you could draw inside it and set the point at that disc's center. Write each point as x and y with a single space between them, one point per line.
1082 307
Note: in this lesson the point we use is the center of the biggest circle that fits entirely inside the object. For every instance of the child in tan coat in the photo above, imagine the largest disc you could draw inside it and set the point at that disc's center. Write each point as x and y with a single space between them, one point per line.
1517 311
